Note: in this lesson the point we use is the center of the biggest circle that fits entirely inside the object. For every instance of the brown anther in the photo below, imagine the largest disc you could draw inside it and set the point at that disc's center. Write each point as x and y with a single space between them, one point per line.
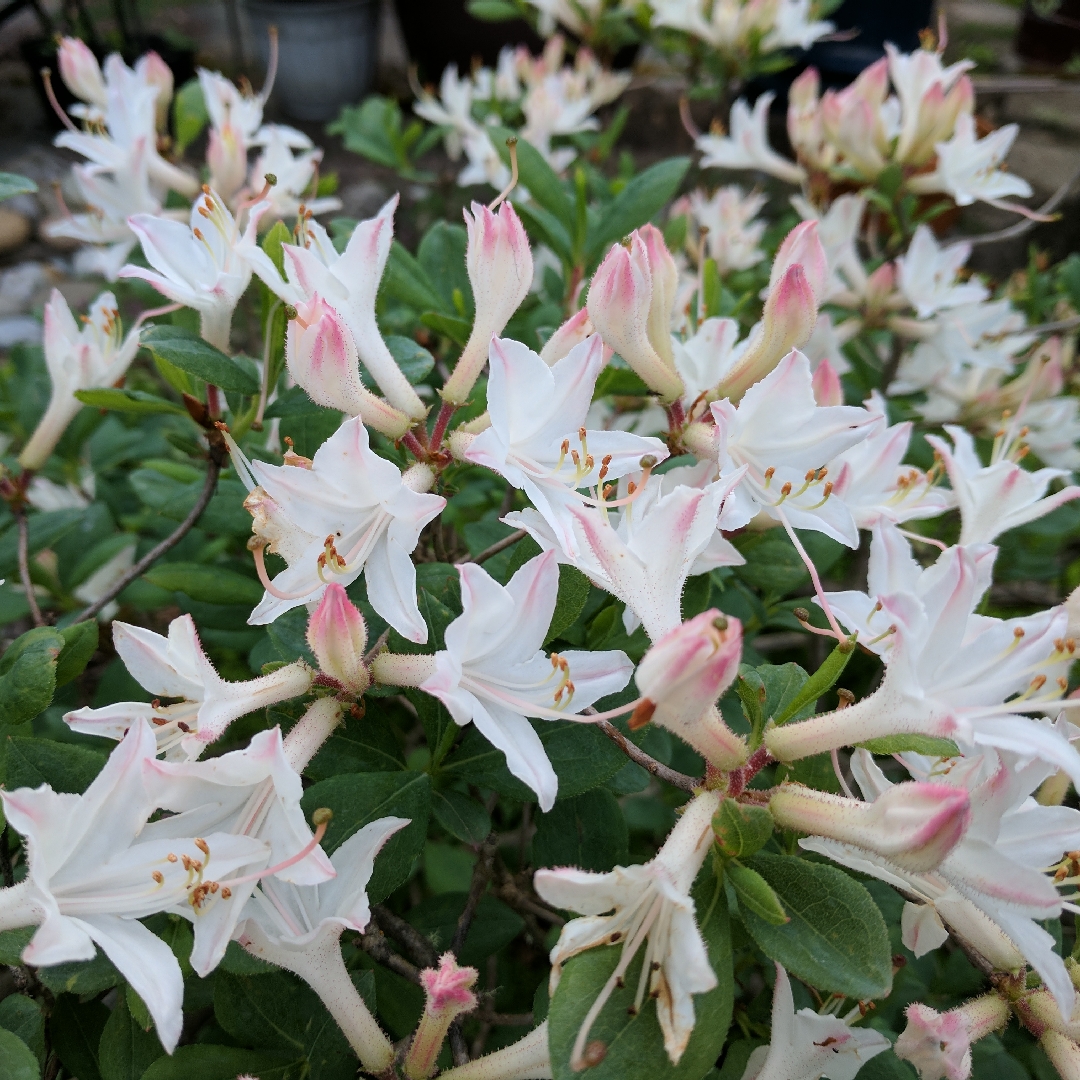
655 965
1061 873
171 857
786 489
182 726
155 704
642 714
1018 633
620 983
565 448
159 721
801 614
846 697
654 994
1063 683
589 462
606 459
226 892
822 472
576 458
810 475
826 491
770 472
581 434
198 235
603 472
158 876
203 846
213 886
203 212
631 487
206 189
615 938
609 490
648 462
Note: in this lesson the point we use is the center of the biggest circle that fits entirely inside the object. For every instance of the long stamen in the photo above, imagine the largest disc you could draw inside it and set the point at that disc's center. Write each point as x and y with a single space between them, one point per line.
264 577
511 145
809 563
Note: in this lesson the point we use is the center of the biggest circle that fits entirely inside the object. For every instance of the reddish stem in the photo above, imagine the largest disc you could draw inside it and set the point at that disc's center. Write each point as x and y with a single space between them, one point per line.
676 415
413 443
213 400
742 776
442 422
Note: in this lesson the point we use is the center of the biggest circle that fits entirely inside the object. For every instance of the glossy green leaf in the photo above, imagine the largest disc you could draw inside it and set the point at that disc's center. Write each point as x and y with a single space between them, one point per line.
185 350
741 828
588 831
836 938
819 683
360 744
23 1016
583 758
359 798
916 744
635 1045
81 976
755 895
32 762
129 401
75 1032
460 816
189 114
221 1063
414 360
280 1013
642 198
573 593
454 327
11 184
126 1051
80 644
17 1060
210 584
405 280
28 674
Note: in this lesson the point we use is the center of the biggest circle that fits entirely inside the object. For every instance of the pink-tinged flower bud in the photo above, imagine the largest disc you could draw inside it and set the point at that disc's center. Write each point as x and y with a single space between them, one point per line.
448 991
665 283
226 155
338 638
620 306
914 825
804 119
81 72
802 246
157 73
1063 1053
500 267
827 388
786 323
880 289
939 1044
572 332
682 676
322 358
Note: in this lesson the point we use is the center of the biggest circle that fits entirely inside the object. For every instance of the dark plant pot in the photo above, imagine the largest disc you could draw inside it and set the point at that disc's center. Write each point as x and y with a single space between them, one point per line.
877 22
328 52
1049 33
441 32
39 53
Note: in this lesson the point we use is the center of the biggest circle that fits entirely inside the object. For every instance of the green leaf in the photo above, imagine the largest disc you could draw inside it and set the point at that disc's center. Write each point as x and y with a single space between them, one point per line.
220 1063
126 1051
755 895
80 644
819 683
11 184
279 1013
209 584
537 175
185 350
836 938
63 766
582 756
453 327
359 745
917 744
492 10
44 531
17 1061
22 1016
406 280
635 1045
129 401
75 1030
642 198
413 359
189 114
573 593
81 976
28 674
272 243
741 829
442 253
460 816
620 381
359 798
588 831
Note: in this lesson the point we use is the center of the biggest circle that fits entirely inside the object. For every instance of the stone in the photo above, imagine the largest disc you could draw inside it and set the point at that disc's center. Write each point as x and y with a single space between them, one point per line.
14 230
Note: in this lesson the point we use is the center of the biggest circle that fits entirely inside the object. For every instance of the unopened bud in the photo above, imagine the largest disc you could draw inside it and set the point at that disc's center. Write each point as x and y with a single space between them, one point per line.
338 638
939 1044
684 674
448 994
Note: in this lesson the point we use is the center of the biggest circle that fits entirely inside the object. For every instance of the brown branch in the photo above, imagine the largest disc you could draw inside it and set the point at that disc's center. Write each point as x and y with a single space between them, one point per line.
24 566
374 943
212 471
481 876
1027 224
650 764
1054 327
405 934
378 647
499 545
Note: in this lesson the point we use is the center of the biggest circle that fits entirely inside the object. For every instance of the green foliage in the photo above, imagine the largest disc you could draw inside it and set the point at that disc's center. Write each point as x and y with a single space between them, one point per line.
185 350
17 1061
12 185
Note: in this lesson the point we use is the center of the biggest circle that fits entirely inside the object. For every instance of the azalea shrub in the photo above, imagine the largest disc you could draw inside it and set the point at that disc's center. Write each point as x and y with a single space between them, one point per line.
629 632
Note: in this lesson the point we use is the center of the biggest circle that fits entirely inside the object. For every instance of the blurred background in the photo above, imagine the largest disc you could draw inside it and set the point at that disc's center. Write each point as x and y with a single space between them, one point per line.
1027 58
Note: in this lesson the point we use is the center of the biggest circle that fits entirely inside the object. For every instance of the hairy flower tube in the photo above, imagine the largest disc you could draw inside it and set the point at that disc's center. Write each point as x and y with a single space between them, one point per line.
939 1044
447 995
